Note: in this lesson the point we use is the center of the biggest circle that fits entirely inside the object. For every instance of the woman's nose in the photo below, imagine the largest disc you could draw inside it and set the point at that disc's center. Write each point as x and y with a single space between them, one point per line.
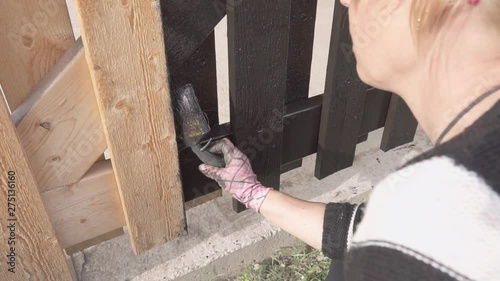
345 2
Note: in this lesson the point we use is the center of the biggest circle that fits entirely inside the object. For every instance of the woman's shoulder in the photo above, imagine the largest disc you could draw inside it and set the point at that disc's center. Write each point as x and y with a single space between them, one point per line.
442 207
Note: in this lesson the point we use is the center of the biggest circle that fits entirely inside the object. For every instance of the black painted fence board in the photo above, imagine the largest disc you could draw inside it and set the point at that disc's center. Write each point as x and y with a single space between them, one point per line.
201 71
300 49
377 101
400 126
302 119
186 24
258 33
343 102
300 52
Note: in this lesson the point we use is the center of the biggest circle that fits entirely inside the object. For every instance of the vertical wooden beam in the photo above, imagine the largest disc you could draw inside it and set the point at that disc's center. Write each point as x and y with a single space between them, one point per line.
343 102
376 107
29 246
300 49
125 51
34 34
300 52
400 126
258 33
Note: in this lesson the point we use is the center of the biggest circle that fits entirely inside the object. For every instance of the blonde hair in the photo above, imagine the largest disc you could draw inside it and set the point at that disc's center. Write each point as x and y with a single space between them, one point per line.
428 16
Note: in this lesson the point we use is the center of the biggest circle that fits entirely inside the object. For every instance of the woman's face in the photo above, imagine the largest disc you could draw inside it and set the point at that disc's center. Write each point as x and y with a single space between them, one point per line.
382 41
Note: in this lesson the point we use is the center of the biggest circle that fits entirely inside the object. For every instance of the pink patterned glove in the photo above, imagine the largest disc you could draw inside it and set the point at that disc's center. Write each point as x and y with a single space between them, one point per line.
237 177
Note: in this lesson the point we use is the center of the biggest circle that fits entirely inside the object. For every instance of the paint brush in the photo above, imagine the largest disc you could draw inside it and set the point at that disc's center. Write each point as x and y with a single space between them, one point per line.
193 125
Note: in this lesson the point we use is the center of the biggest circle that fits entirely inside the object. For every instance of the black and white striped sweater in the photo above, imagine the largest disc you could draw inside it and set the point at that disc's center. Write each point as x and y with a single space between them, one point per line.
437 218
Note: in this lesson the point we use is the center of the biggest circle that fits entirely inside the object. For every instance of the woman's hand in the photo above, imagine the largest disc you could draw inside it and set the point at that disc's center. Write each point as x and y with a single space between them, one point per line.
237 177
299 218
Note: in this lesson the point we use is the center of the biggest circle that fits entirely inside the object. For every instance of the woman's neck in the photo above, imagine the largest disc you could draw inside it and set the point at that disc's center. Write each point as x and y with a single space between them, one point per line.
446 85
441 104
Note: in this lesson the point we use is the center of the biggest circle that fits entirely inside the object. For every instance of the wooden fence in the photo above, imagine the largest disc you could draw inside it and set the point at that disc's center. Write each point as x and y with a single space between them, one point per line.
70 100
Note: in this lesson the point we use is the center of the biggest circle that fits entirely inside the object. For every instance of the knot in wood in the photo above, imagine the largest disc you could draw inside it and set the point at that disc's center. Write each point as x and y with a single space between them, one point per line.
45 125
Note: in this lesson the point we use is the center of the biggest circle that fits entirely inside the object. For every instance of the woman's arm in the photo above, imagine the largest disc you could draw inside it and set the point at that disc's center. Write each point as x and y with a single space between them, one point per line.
301 219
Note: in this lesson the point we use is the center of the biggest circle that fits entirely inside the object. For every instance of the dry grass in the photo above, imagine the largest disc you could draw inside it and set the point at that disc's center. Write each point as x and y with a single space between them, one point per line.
300 263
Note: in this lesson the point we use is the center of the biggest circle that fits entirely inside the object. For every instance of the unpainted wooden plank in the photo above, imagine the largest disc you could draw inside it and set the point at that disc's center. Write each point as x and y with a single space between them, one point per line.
400 126
34 34
92 208
343 102
87 209
258 33
30 250
59 124
126 55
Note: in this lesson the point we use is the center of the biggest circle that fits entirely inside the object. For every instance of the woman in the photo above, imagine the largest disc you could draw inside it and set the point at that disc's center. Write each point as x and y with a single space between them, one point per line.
438 217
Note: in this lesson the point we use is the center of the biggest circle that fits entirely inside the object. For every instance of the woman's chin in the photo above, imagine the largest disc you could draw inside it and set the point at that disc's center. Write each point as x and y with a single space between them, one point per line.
371 79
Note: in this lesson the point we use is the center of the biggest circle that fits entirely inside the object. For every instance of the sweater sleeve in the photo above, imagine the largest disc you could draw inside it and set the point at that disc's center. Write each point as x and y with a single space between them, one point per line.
338 226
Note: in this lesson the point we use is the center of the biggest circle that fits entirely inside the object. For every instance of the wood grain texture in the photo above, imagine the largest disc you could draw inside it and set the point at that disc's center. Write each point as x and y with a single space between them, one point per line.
37 251
126 55
92 207
34 34
88 209
343 102
258 33
400 126
62 131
